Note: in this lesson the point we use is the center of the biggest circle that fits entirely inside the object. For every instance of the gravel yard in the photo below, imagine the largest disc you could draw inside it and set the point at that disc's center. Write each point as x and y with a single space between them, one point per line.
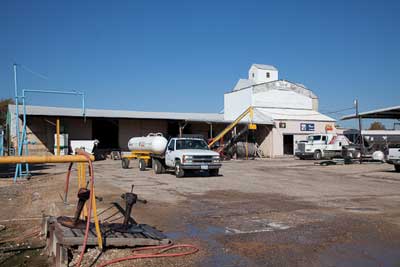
280 212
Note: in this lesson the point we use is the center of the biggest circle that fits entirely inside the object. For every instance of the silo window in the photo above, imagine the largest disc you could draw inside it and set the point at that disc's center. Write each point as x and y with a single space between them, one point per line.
252 75
267 74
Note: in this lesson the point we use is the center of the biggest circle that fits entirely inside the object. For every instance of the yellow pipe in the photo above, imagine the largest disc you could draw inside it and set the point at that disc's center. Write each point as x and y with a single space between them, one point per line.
43 159
96 221
58 136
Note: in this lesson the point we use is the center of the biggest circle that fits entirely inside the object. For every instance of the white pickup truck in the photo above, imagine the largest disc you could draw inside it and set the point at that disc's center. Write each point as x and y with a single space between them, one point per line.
319 146
186 154
393 157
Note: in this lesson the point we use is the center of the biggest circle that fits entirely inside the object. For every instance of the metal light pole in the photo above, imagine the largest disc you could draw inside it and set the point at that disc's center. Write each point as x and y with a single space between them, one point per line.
360 131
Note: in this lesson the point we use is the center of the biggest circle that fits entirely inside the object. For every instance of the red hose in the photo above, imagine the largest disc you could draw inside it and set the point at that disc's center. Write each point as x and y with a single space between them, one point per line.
158 254
89 207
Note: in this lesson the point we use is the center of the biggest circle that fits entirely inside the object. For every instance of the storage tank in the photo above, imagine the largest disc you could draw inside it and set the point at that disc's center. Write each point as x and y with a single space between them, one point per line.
245 150
153 142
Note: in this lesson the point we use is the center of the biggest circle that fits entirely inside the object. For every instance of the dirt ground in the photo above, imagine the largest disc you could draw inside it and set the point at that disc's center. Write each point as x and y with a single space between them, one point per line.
280 212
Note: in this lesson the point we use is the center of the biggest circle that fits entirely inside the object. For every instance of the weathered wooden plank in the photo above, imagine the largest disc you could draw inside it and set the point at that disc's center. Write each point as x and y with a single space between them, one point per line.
92 233
76 232
74 237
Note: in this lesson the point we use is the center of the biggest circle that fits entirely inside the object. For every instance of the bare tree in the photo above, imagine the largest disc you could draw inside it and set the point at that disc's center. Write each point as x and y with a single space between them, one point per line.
376 125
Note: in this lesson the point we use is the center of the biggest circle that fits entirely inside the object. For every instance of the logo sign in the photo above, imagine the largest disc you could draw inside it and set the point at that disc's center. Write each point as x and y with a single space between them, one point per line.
328 127
307 127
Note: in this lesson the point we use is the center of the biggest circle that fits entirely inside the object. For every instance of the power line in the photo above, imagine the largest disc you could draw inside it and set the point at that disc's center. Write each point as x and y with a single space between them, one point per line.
338 111
34 72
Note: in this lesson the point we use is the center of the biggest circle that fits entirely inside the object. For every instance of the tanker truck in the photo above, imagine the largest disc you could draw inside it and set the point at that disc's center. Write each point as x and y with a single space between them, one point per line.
181 155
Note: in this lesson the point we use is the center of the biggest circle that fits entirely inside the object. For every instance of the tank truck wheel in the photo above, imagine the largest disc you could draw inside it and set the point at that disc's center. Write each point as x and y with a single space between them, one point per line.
157 166
142 165
125 163
179 172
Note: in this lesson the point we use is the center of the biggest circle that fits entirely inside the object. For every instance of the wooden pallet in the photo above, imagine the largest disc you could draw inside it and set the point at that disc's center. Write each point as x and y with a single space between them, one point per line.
61 238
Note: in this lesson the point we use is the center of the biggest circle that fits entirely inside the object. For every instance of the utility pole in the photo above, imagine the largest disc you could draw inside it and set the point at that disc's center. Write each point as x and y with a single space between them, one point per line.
360 131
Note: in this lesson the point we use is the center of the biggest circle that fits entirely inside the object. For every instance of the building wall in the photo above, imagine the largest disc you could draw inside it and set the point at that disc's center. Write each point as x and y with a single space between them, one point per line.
41 131
281 99
293 128
264 139
39 134
269 137
260 75
134 128
236 102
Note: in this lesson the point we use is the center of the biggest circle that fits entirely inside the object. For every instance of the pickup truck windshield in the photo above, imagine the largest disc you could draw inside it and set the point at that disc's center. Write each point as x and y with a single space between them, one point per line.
191 144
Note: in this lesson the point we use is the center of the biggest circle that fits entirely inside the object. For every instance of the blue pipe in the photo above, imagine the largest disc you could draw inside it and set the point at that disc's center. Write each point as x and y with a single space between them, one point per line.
24 135
17 167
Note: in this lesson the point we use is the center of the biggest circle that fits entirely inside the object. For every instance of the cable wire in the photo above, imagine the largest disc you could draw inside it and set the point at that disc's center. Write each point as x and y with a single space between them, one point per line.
34 72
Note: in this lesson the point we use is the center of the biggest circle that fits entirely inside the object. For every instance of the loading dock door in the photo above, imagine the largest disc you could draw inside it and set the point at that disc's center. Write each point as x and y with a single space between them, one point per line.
288 144
106 131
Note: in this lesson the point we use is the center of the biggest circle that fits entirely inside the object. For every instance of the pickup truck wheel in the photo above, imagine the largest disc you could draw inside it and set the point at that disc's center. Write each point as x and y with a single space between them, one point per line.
179 172
142 164
397 168
213 172
125 163
157 166
317 155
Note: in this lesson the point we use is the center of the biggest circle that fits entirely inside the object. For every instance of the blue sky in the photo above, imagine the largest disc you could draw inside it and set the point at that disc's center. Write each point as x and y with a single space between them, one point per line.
183 55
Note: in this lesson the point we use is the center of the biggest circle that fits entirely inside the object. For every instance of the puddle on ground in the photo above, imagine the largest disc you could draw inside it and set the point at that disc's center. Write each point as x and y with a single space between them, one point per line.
257 226
220 256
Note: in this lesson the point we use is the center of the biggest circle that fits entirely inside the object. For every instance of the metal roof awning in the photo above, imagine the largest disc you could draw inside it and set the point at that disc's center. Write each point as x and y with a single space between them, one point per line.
121 114
384 113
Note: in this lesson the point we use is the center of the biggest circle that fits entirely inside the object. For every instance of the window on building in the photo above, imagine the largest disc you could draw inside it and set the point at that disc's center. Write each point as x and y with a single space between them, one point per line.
252 75
267 74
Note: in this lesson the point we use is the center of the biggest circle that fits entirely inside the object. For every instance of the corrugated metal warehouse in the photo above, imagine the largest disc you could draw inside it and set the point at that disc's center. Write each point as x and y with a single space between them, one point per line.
285 112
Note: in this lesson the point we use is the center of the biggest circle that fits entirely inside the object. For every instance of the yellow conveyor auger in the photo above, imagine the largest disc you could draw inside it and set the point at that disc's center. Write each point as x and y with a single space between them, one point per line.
249 111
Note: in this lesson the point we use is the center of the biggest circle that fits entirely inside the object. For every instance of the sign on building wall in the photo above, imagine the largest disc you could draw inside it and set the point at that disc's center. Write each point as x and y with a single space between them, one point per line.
310 127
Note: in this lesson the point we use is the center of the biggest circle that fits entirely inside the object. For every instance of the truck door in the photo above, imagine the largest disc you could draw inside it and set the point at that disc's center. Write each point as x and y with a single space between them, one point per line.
169 154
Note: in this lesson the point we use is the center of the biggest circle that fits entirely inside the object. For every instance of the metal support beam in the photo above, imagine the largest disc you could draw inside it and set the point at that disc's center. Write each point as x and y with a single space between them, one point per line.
181 127
360 131
58 136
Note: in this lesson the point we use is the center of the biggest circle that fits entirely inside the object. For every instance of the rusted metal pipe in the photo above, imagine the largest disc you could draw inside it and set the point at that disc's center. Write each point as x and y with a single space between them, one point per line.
44 159
58 136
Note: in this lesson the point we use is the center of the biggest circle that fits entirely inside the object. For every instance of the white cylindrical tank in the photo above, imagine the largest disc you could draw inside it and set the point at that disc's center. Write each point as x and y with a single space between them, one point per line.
378 155
154 143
